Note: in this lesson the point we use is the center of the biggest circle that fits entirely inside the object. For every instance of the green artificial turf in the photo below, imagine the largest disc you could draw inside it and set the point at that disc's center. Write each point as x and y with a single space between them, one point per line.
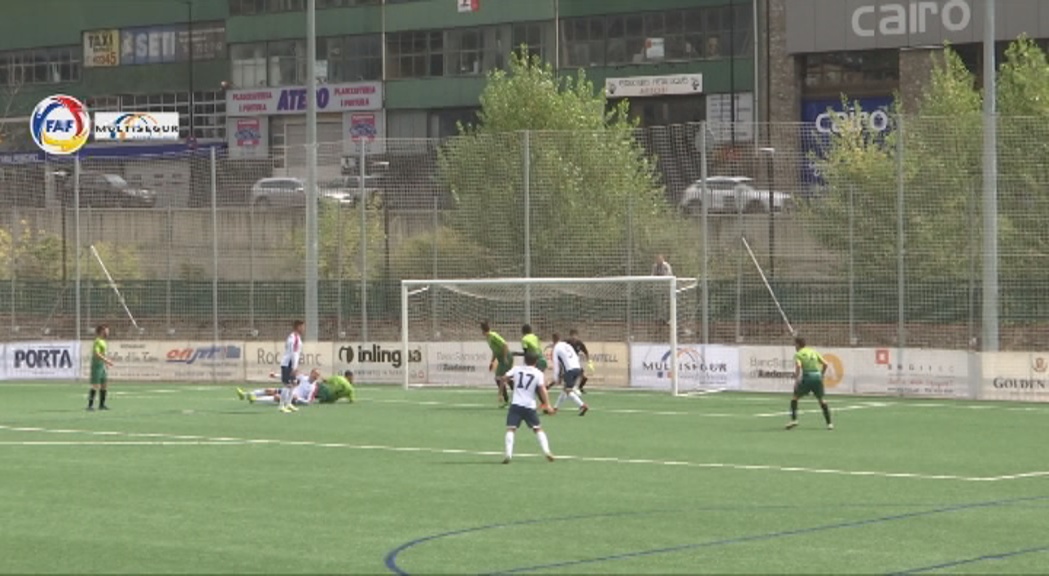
184 478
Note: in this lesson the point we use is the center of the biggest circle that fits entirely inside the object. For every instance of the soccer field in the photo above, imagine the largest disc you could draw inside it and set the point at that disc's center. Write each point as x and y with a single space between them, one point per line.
186 478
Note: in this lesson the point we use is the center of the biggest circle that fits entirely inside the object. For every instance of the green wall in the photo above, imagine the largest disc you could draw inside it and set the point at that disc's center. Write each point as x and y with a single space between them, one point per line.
40 23
424 93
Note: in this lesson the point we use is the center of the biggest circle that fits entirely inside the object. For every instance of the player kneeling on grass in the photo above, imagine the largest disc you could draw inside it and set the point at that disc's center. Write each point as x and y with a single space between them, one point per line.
301 393
527 383
809 369
568 370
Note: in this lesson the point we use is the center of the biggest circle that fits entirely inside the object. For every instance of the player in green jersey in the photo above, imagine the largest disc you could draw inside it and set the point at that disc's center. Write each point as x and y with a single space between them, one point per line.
99 363
809 369
530 343
501 361
336 388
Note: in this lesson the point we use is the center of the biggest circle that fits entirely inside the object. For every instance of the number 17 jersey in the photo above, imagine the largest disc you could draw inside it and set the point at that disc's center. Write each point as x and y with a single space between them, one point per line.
525 380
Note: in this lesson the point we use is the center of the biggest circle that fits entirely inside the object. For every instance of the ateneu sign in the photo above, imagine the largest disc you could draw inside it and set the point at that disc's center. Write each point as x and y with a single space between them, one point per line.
357 96
831 25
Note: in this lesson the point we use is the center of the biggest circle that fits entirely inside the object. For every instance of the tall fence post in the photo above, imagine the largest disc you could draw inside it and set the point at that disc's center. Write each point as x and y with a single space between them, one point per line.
214 256
630 267
362 205
14 272
76 249
339 269
853 340
169 255
251 271
434 298
527 174
705 210
901 246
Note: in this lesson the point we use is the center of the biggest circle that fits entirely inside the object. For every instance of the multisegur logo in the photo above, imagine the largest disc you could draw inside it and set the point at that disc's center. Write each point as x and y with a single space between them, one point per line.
60 125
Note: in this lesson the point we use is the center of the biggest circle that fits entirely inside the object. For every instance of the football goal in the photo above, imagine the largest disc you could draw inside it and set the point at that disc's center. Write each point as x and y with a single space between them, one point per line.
629 325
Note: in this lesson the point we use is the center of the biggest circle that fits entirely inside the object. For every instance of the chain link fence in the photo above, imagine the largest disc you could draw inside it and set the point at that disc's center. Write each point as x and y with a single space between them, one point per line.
866 237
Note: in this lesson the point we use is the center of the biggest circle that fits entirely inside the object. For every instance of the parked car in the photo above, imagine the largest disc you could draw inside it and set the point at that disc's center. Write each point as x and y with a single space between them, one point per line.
286 192
731 194
101 190
350 186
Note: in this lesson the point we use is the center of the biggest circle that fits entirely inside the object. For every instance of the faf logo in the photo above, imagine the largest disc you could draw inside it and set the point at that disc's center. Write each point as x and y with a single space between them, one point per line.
1039 364
60 125
123 126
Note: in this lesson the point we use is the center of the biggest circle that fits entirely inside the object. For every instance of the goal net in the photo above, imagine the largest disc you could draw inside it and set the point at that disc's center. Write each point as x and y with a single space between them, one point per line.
630 325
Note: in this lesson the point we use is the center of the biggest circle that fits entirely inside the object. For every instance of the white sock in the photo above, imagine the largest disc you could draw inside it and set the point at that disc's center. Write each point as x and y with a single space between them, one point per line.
259 393
266 400
510 444
285 396
544 442
560 397
575 398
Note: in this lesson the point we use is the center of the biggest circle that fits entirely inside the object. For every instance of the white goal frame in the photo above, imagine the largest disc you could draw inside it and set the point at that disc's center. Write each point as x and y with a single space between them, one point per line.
409 287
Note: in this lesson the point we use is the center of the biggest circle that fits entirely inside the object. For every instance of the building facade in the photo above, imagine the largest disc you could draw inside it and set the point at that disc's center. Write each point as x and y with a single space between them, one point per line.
395 68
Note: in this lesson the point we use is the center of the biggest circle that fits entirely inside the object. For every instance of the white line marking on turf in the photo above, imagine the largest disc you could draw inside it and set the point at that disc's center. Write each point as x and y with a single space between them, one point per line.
835 409
185 440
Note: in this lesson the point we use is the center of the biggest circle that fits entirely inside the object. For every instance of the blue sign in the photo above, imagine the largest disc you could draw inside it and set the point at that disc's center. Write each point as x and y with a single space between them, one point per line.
20 158
821 118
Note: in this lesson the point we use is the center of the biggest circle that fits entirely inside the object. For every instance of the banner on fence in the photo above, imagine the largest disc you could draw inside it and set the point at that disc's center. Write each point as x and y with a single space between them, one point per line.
262 358
610 361
41 360
699 367
771 369
133 360
380 362
912 372
1015 376
205 361
457 364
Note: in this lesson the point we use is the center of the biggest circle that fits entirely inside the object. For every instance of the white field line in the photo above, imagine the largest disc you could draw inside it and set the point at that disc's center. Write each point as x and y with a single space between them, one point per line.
162 439
834 409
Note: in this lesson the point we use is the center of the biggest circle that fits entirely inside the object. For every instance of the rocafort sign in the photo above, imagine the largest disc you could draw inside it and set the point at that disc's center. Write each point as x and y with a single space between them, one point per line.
904 18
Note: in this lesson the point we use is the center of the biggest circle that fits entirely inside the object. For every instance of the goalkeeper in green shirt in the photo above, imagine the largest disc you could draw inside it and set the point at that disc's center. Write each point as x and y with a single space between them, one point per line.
501 361
335 388
100 363
530 343
809 369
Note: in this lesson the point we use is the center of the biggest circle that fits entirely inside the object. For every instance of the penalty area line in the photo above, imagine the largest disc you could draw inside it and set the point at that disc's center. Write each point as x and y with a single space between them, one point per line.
161 439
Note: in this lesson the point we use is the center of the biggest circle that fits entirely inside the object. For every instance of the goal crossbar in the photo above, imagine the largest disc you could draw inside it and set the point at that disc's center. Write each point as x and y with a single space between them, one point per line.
414 286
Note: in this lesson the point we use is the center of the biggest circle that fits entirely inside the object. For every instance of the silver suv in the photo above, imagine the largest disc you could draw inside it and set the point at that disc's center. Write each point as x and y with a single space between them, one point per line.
729 195
283 192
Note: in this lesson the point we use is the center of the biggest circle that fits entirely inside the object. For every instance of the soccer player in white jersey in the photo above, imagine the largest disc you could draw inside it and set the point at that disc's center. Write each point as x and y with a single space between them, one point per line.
567 370
290 364
527 382
303 392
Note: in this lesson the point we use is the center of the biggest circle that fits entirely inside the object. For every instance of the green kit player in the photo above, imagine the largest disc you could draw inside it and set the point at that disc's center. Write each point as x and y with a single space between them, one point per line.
530 343
501 361
99 363
809 368
336 388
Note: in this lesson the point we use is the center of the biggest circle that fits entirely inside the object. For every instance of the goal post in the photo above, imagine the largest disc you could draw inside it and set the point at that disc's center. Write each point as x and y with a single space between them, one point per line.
444 315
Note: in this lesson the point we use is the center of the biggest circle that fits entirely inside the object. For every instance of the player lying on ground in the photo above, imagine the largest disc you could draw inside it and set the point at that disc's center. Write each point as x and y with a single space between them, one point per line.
580 350
302 393
530 343
311 389
809 369
567 371
501 361
528 383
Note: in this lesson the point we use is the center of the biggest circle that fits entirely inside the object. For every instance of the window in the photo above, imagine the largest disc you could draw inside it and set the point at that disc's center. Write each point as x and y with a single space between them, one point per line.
209 109
464 50
285 5
287 62
248 64
415 54
834 71
535 36
673 35
246 7
322 4
40 66
352 58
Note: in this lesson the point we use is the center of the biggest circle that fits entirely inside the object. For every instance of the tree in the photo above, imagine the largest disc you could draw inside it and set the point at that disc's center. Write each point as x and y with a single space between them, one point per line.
942 177
591 194
31 254
339 235
10 132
